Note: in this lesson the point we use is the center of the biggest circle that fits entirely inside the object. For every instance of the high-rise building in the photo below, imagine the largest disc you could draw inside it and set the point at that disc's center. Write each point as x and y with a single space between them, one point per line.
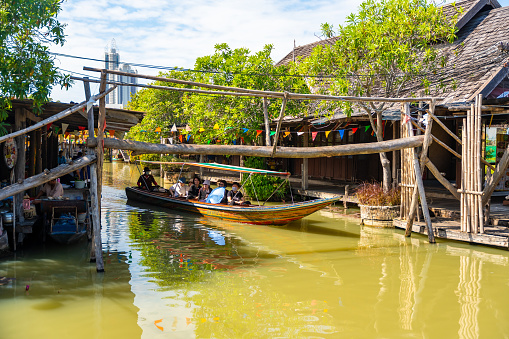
122 94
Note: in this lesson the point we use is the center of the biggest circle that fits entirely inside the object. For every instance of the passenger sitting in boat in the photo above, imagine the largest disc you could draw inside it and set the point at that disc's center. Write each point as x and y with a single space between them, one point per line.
222 183
51 189
179 189
194 190
235 197
204 191
146 180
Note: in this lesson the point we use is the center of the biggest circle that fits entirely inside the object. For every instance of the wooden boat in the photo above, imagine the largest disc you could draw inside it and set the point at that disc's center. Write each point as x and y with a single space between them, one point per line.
60 231
249 214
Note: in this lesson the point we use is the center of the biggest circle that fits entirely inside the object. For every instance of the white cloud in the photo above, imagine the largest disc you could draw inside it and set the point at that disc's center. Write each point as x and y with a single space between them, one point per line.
175 33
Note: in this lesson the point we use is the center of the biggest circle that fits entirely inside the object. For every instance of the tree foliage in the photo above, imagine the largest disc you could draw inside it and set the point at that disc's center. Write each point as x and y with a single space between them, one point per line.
27 30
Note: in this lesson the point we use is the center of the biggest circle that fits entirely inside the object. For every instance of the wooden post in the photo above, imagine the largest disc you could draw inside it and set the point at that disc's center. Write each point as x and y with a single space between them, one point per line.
305 161
38 151
278 128
266 120
345 198
19 169
418 180
101 125
424 154
94 197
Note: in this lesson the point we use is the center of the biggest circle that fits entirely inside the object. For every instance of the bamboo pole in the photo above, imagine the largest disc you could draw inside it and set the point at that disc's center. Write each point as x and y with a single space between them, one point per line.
441 143
261 151
479 156
55 117
419 183
94 197
278 128
266 120
436 173
424 153
463 179
264 93
446 129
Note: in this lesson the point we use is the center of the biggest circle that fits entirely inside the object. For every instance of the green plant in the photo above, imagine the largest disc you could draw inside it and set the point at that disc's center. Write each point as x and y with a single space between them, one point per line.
263 186
372 194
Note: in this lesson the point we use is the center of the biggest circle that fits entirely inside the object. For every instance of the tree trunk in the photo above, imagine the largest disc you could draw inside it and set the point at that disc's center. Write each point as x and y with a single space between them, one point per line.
386 164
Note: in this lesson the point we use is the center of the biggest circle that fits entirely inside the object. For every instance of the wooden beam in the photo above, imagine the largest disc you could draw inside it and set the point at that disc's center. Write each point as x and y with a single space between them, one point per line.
455 137
46 176
278 128
261 151
55 117
263 93
31 116
492 82
442 179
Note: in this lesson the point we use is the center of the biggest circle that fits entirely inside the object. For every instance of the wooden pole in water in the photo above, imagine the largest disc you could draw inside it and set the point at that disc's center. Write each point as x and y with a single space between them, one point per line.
94 197
424 154
266 120
463 178
278 128
479 156
419 183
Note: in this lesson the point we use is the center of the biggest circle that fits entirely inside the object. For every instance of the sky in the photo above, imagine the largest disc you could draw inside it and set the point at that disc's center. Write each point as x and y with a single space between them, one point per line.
174 33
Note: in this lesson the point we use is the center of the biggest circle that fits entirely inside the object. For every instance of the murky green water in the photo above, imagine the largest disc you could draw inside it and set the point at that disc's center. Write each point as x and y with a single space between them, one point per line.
180 276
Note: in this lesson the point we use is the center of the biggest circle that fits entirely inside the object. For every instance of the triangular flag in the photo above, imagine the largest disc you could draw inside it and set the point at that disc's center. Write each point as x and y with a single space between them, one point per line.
242 139
258 132
366 128
157 130
64 128
49 134
327 134
112 132
180 138
272 133
208 142
66 134
300 133
174 128
216 126
201 129
287 134
314 134
354 130
188 128
48 126
234 142
245 130
57 129
188 137
341 133
406 119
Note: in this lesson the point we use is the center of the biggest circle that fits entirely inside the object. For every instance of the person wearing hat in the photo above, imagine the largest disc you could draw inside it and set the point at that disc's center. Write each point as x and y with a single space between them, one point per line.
204 191
146 180
179 189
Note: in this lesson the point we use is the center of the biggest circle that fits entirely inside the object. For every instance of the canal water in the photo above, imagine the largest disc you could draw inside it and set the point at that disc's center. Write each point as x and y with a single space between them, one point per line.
175 275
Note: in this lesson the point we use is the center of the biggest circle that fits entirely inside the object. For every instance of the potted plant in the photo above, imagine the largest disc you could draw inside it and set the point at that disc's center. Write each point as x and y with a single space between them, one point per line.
378 208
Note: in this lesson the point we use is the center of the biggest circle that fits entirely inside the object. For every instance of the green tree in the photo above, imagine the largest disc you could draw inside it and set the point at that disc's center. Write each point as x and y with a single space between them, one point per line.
27 29
383 50
238 68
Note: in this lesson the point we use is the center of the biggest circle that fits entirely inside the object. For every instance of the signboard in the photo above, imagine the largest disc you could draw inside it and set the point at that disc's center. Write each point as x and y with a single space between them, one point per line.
10 151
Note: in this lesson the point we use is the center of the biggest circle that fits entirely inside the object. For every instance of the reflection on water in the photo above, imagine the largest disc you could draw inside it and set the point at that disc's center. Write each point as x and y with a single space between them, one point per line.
182 276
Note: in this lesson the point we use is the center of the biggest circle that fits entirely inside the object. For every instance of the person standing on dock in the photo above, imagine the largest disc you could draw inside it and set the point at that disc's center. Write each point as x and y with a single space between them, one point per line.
146 180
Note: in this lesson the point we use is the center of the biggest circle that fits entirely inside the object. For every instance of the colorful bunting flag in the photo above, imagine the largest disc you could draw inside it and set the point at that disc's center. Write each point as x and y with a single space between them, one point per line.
406 119
208 142
180 138
245 130
49 134
188 137
48 126
174 128
64 127
300 133
234 142
57 129
272 133
157 130
313 135
327 134
201 129
366 128
216 126
287 134
258 132
112 132
341 133
354 130
81 128
66 134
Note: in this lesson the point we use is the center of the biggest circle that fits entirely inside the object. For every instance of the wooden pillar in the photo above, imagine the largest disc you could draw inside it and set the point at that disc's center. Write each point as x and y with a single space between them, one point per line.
266 120
44 148
19 169
38 151
31 158
94 199
305 162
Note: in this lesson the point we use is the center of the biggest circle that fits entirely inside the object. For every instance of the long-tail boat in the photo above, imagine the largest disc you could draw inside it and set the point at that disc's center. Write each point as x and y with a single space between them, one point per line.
250 214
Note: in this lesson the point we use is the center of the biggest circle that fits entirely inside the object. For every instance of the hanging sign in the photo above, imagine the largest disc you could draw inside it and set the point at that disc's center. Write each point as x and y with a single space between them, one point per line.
10 150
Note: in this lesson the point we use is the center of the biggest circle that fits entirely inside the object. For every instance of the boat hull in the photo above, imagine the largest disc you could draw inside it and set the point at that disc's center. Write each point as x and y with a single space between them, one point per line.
258 215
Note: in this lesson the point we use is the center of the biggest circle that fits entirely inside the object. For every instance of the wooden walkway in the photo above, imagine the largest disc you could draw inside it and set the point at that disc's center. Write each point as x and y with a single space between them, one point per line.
497 236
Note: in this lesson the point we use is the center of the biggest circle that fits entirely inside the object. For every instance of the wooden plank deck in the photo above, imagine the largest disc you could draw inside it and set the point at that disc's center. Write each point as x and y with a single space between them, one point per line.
497 236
